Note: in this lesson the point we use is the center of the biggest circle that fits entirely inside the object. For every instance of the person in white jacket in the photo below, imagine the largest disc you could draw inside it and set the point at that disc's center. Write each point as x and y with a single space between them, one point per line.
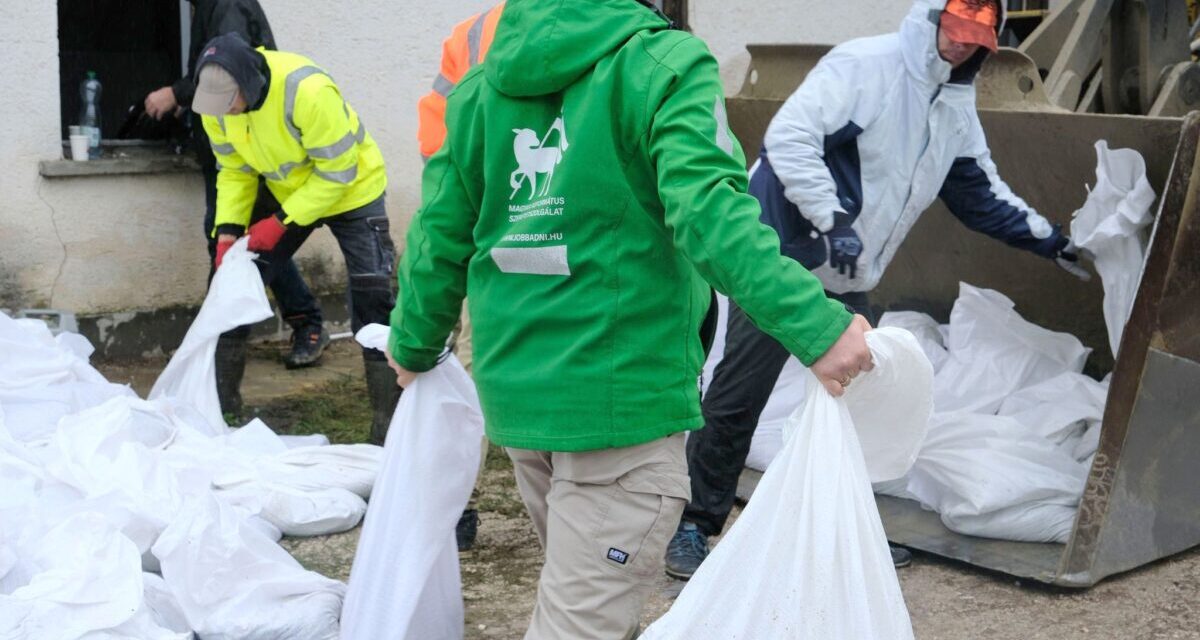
880 128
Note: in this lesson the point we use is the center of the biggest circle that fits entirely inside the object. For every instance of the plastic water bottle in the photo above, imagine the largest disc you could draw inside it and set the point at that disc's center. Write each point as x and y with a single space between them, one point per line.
89 112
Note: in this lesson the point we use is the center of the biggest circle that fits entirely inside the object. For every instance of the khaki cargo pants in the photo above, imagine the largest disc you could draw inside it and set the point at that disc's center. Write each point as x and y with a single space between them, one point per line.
604 519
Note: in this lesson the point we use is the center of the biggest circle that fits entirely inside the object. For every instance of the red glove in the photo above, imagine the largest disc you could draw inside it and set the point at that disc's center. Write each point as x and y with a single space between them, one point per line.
265 234
222 247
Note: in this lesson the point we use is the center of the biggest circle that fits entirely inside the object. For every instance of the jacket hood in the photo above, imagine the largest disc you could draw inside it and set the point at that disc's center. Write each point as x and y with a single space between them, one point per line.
246 65
918 37
543 46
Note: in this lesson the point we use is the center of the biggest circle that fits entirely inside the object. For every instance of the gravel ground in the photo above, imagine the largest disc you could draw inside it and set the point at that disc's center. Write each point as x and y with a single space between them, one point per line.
947 600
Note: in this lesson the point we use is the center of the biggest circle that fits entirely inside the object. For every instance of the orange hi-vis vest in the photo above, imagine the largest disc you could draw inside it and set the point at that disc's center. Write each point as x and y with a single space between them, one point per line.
465 48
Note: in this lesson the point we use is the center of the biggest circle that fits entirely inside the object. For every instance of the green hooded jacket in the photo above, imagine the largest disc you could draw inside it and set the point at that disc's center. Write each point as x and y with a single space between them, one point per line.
588 193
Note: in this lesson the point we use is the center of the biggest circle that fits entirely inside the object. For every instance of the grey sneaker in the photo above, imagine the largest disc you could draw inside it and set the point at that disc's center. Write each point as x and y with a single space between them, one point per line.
687 549
901 557
308 343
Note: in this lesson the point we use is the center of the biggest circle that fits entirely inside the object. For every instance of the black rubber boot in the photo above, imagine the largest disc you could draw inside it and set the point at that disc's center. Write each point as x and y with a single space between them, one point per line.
231 366
383 393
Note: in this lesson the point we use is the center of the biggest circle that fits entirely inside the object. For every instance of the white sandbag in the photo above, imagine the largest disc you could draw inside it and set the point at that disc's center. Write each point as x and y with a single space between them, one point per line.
1059 407
44 377
405 577
235 297
925 329
718 346
809 547
86 577
785 398
32 358
297 512
993 477
233 583
1109 226
891 404
994 352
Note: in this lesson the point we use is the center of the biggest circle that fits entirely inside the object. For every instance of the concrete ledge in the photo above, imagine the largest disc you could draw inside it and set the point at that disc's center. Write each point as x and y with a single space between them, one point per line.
156 332
147 164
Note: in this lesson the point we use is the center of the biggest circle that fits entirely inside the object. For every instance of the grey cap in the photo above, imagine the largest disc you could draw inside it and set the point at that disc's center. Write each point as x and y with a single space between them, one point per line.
216 90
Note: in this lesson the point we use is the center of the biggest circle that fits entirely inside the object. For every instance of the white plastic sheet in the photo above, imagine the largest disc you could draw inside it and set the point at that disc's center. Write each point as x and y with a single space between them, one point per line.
1109 225
236 297
405 579
810 546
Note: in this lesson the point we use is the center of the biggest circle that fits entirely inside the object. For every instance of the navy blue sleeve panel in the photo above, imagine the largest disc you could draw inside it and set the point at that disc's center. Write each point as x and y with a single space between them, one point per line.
841 157
968 194
798 238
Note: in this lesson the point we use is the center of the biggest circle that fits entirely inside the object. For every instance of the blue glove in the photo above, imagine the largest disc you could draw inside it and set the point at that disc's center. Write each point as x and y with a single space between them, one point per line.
844 245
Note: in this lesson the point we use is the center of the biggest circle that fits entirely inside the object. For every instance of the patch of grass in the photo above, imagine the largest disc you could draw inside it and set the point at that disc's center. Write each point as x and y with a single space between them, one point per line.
339 409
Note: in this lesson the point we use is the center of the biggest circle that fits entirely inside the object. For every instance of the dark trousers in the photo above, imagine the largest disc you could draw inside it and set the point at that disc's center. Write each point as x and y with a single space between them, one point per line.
741 385
363 235
296 302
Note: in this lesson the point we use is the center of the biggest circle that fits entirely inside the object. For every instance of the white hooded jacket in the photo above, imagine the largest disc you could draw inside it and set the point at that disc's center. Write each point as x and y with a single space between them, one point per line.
879 128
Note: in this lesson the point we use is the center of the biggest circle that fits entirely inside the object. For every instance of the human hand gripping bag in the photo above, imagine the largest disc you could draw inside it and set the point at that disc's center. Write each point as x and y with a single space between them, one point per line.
809 554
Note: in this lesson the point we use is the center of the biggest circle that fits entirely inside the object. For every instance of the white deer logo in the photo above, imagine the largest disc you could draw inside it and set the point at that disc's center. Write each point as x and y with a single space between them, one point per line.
534 157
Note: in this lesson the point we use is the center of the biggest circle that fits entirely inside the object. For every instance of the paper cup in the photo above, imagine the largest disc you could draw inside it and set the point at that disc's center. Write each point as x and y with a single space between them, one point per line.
79 147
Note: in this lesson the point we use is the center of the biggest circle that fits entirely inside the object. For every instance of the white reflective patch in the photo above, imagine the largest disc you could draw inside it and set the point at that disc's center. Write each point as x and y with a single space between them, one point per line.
538 261
724 139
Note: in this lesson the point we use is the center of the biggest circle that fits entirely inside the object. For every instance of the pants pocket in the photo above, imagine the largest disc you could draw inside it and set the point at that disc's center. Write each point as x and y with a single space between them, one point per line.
384 247
642 513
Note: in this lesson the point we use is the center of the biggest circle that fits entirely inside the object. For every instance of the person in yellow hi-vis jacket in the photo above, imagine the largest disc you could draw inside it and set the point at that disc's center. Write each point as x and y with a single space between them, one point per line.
280 116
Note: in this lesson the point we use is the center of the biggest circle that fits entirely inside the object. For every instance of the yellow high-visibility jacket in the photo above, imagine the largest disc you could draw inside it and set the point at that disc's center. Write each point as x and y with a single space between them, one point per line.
306 141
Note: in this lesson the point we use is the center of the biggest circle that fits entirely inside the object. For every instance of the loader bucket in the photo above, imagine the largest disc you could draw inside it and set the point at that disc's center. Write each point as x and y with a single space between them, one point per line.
1142 498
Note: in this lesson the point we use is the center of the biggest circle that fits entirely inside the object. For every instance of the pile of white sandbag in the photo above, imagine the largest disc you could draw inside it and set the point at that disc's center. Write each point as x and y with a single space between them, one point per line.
1016 423
130 518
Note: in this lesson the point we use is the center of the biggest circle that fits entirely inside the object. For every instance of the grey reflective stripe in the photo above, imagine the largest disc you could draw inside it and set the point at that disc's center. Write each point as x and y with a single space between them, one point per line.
474 35
291 86
222 148
361 134
246 169
538 261
442 85
221 123
285 169
334 150
344 177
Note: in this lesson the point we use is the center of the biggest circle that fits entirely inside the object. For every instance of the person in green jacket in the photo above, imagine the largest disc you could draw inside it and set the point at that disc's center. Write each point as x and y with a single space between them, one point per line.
587 196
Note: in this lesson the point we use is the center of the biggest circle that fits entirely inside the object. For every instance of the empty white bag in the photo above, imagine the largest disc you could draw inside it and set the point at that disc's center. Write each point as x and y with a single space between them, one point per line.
235 297
1109 226
808 558
405 582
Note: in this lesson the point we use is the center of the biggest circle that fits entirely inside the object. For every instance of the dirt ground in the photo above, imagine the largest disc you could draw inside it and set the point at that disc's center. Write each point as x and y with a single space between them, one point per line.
947 600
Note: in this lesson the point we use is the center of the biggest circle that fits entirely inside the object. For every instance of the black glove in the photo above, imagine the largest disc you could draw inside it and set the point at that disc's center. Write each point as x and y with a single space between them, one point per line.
844 245
1067 258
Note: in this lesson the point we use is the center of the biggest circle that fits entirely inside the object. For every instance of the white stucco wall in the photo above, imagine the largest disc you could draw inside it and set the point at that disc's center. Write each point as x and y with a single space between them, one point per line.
102 244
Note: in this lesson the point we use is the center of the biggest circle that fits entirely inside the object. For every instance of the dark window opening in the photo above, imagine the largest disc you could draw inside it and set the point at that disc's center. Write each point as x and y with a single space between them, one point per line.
134 46
676 10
